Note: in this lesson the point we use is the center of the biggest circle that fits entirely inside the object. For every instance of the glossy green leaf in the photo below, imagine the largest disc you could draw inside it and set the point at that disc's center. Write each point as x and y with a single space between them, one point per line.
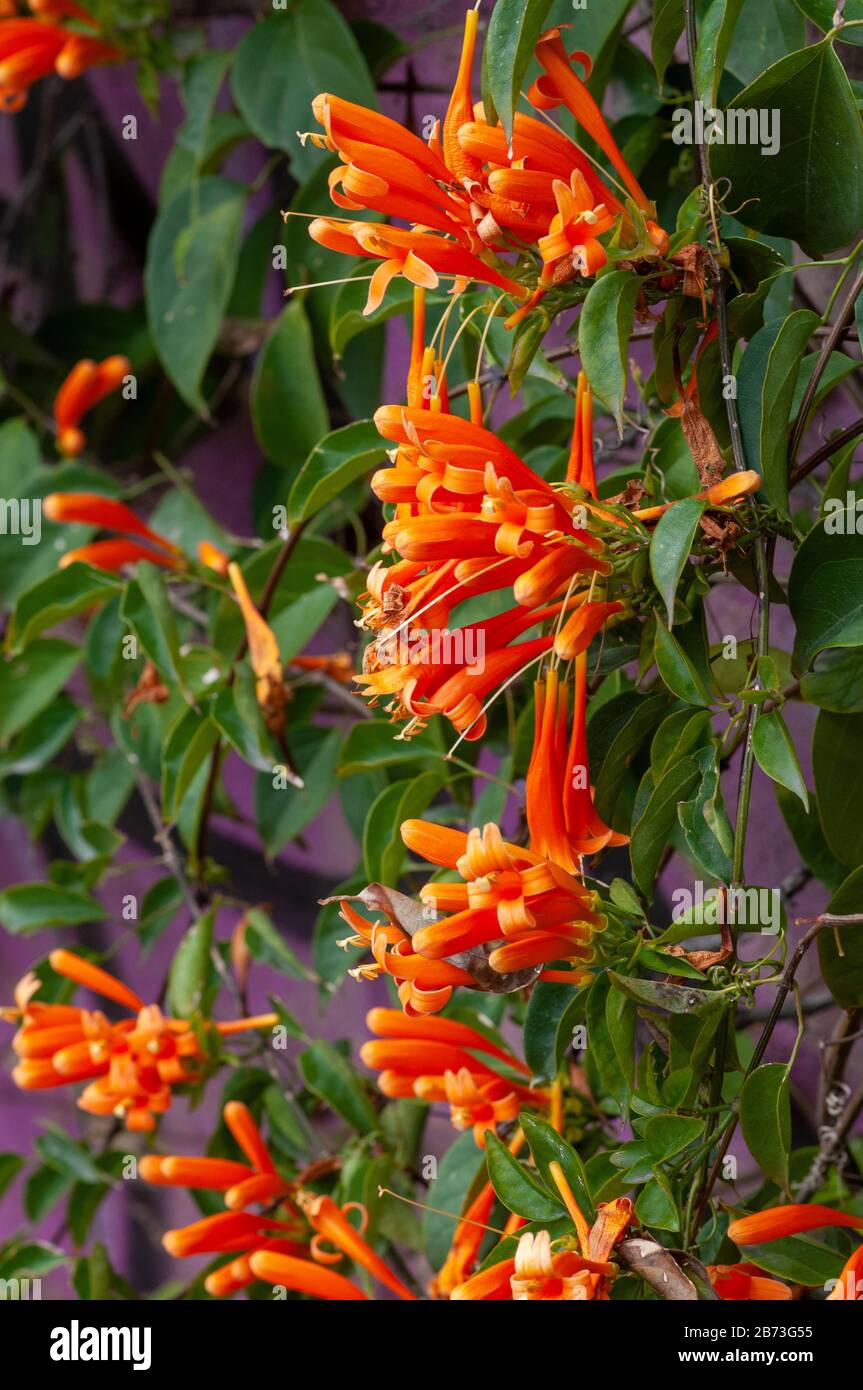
336 461
765 392
676 669
668 17
284 810
60 596
326 1072
775 753
191 261
31 680
288 407
604 327
516 1187
825 589
670 546
714 41
765 1119
190 969
837 762
284 62
811 189
266 943
514 27
146 609
29 907
546 1147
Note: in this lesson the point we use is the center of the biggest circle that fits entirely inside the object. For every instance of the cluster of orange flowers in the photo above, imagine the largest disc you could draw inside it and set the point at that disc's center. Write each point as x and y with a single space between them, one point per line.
473 194
130 1067
32 48
469 518
292 1244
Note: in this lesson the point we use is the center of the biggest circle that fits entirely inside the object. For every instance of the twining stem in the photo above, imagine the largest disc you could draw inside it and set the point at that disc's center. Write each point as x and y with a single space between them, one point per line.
763 551
826 451
824 356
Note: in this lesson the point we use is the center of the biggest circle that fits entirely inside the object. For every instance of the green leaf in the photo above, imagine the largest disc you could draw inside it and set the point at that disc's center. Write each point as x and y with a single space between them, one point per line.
704 821
670 546
266 943
840 949
146 609
30 907
42 739
457 1173
714 40
822 13
604 327
667 1135
284 62
10 1166
655 1206
806 832
797 1259
676 669
383 848
765 1118
63 1153
837 762
776 755
326 1072
518 1189
283 811
30 681
30 1257
675 999
837 683
190 968
202 79
513 30
191 262
825 588
773 383
288 408
58 597
371 744
547 1005
638 715
547 1146
338 460
668 18
811 189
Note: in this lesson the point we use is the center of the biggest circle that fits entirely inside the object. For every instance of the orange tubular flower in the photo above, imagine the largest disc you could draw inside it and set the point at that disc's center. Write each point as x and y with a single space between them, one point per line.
213 558
32 48
745 1283
87 384
276 1248
91 509
564 823
263 654
331 1224
130 1066
433 1059
424 986
790 1220
421 257
302 1276
580 466
561 86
